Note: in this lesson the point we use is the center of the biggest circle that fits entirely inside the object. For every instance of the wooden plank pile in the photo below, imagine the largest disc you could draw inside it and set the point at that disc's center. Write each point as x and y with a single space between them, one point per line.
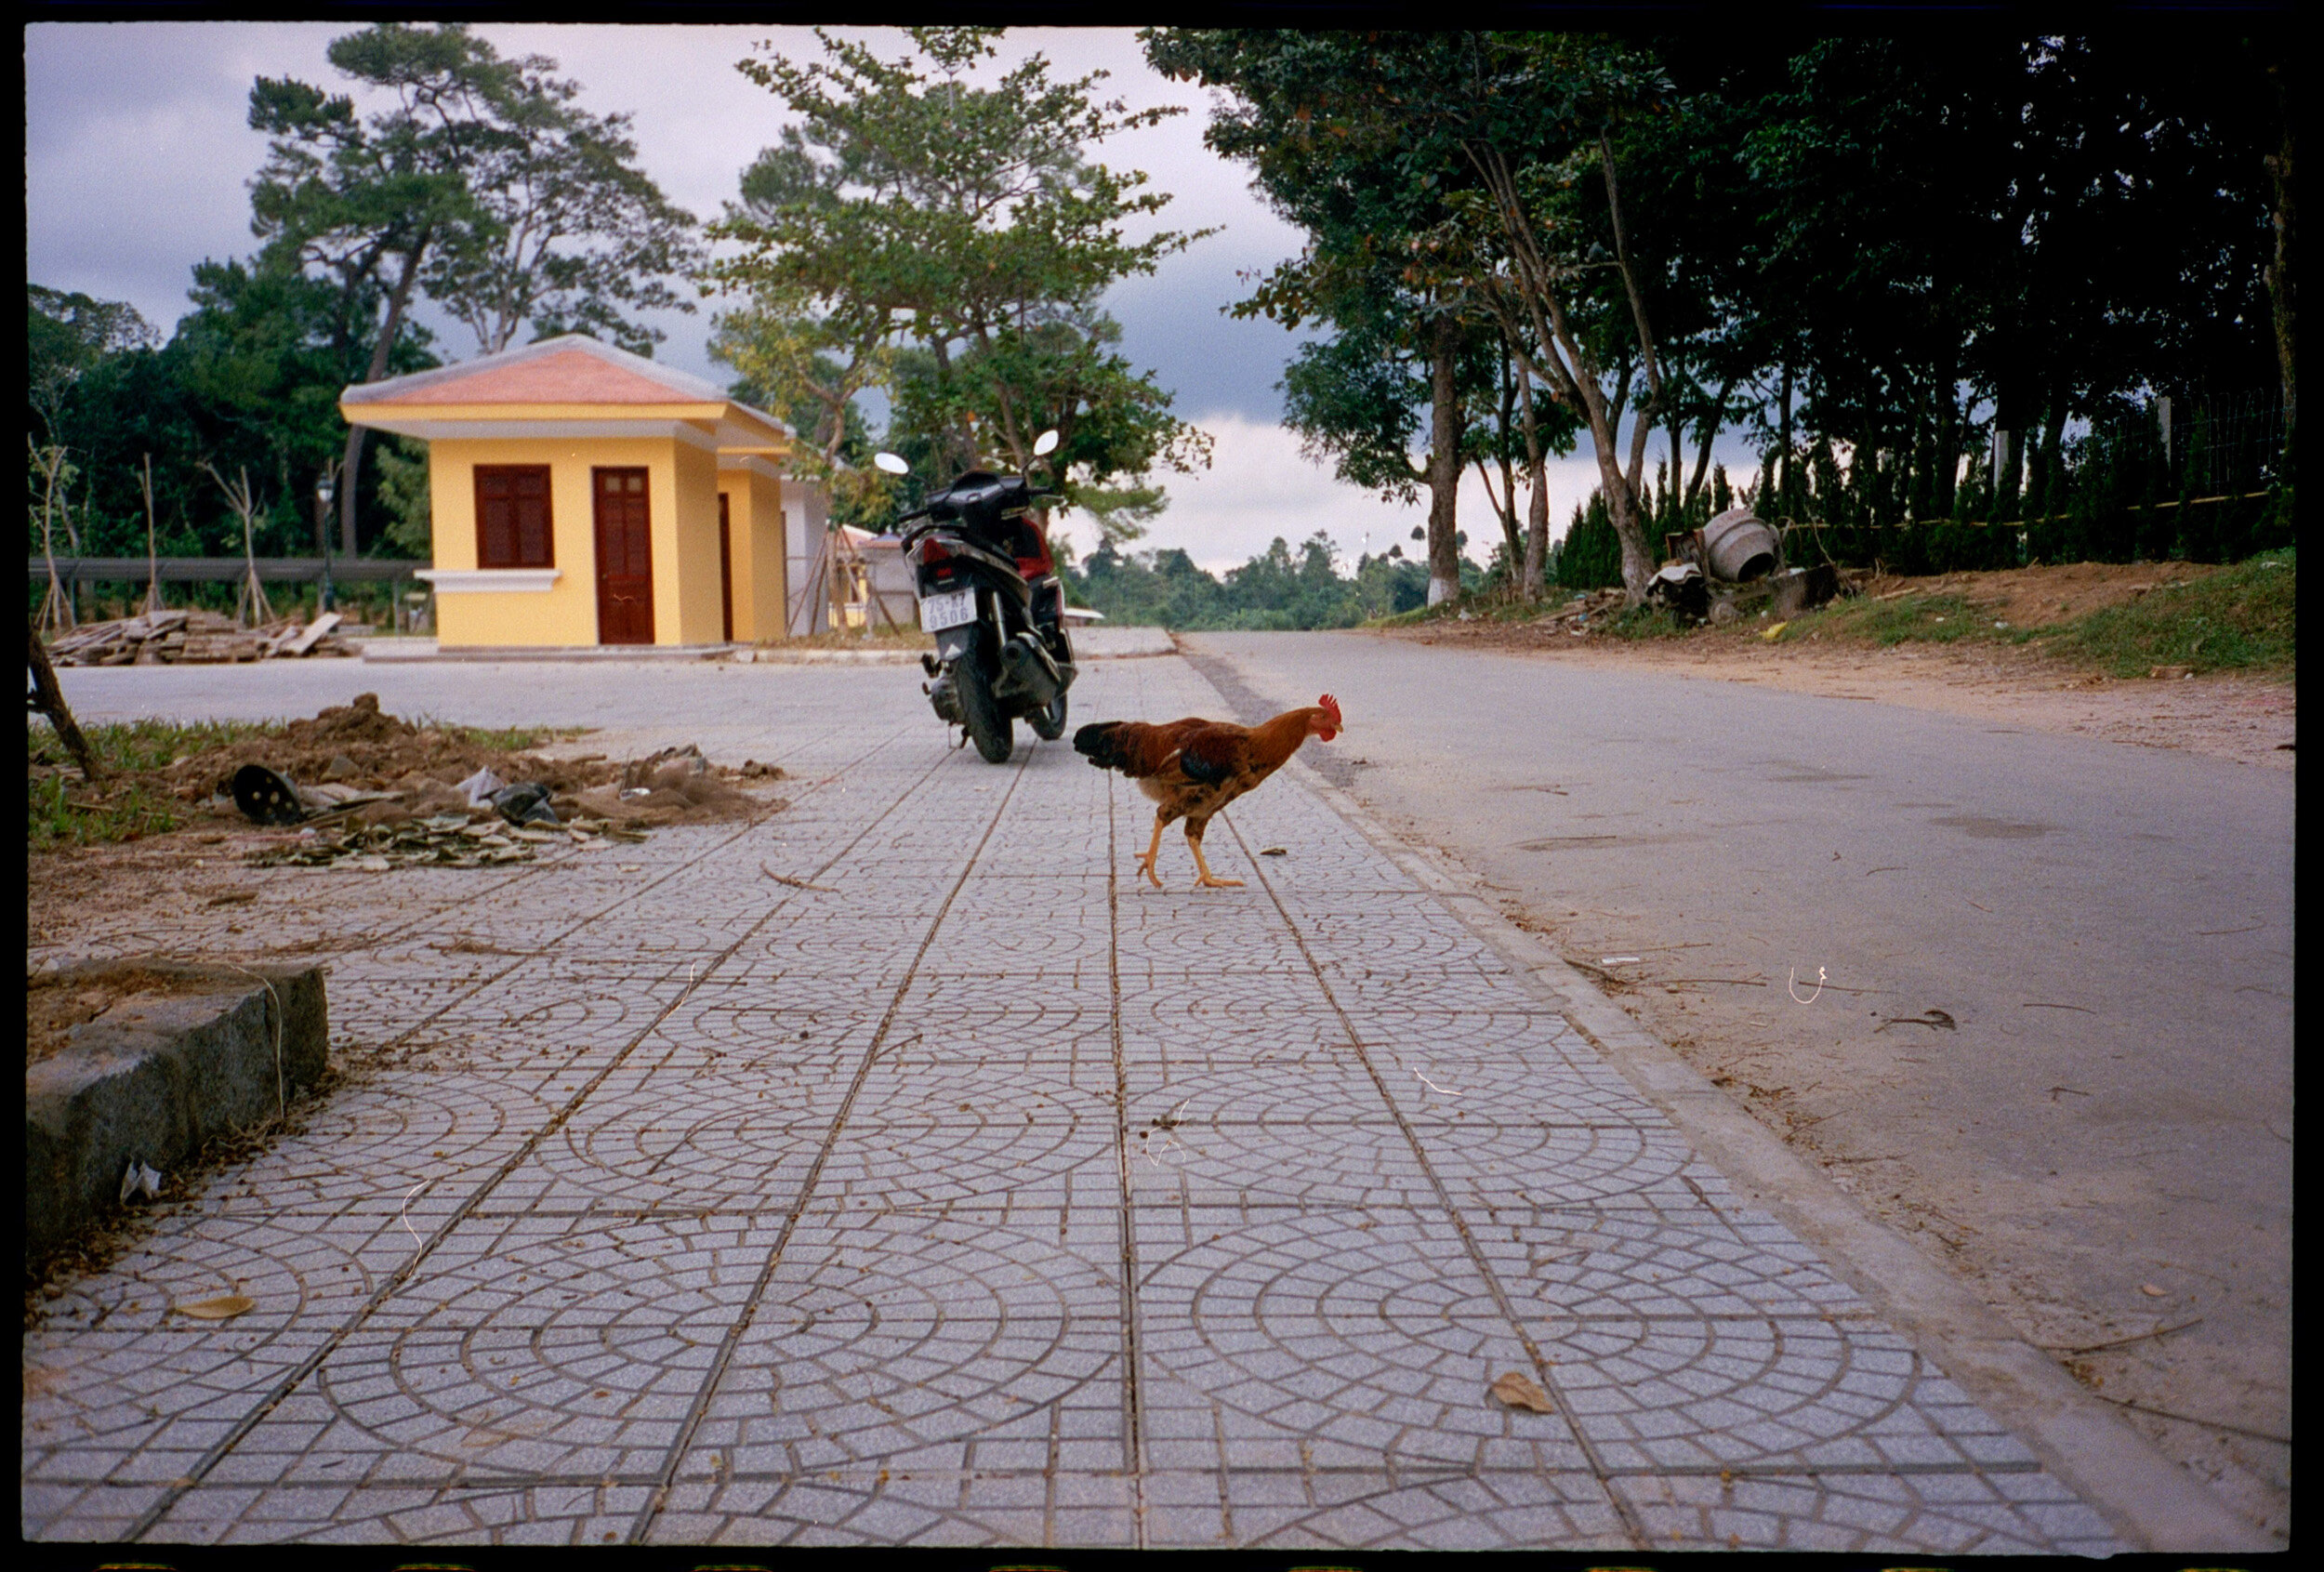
192 638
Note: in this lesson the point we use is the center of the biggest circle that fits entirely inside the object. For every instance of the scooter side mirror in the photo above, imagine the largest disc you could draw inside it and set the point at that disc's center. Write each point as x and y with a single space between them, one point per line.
1046 444
890 463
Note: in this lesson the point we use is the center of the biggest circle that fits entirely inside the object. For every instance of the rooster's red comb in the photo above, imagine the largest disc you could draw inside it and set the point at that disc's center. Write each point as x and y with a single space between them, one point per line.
1330 706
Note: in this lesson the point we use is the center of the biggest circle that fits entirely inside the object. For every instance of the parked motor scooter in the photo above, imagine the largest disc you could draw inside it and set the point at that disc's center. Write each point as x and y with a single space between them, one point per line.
988 590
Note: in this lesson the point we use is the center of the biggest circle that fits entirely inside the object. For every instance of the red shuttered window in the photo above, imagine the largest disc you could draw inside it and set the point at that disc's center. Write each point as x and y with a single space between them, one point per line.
512 524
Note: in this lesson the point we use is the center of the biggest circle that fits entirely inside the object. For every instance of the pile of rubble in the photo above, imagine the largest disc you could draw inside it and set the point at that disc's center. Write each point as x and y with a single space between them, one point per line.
368 790
444 840
193 638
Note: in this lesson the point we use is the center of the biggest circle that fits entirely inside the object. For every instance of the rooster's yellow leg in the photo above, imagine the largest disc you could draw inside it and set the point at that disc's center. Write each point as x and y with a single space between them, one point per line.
1153 853
1207 880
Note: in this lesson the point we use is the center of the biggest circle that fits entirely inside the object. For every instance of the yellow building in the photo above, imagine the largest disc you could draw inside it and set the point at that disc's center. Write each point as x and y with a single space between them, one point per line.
582 494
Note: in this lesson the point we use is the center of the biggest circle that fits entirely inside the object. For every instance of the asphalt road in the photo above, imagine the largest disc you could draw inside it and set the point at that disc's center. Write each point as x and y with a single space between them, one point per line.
2108 930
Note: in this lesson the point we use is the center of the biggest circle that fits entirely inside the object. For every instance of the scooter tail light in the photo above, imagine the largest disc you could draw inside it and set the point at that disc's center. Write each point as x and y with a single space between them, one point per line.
934 550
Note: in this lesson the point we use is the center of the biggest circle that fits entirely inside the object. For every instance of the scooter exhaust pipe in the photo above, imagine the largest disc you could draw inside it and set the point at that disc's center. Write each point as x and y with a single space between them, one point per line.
1030 670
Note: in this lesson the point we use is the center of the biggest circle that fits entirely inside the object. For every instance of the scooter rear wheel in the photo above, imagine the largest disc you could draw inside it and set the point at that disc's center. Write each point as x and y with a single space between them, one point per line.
1048 723
988 724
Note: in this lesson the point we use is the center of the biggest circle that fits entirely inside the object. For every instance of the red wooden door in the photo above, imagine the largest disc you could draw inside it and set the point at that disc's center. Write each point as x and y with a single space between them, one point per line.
726 575
625 557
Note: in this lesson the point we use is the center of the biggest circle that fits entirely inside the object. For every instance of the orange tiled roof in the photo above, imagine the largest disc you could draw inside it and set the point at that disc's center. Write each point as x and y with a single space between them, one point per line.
568 376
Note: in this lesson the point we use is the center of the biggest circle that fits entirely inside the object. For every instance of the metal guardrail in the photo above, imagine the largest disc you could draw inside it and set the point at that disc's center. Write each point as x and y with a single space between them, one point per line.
229 570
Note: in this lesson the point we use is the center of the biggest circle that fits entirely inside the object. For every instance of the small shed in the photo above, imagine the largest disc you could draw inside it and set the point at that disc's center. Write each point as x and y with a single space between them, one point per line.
582 494
879 585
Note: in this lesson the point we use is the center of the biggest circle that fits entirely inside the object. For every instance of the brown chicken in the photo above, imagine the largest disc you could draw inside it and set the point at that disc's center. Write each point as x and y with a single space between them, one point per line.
1195 767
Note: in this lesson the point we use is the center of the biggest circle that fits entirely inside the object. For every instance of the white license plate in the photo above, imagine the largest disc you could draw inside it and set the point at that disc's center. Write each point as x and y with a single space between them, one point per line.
939 611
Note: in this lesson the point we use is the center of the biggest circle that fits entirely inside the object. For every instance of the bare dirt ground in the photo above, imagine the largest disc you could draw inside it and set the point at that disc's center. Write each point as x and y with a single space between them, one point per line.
2251 720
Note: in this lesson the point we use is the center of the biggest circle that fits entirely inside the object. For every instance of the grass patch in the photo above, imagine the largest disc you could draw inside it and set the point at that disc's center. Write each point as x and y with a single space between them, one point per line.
1921 619
128 804
1640 623
2238 619
508 739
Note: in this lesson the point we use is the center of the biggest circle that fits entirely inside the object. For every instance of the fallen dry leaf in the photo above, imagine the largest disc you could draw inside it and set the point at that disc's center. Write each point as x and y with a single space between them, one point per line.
224 1308
1522 1392
2153 1292
1275 851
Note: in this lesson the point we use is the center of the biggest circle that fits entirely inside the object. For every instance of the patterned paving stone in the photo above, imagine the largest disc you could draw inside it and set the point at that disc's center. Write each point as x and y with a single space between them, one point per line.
981 1195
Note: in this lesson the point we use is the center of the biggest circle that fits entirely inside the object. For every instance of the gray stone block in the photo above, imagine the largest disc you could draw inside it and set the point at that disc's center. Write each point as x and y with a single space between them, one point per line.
154 1077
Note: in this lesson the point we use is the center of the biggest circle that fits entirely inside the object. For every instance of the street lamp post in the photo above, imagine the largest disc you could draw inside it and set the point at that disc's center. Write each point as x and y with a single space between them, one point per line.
325 598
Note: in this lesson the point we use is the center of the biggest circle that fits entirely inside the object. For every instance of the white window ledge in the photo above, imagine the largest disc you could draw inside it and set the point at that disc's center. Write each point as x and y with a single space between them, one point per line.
492 581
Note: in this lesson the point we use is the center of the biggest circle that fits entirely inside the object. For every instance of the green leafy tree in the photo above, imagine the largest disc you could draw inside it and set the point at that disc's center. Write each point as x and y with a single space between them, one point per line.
363 205
482 184
65 335
1399 328
914 207
572 235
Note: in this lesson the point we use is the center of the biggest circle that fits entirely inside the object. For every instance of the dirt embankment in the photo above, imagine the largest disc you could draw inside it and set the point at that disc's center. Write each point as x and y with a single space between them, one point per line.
2249 719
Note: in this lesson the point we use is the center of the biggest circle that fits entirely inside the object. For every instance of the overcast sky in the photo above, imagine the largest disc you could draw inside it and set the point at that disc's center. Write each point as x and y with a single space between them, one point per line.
138 157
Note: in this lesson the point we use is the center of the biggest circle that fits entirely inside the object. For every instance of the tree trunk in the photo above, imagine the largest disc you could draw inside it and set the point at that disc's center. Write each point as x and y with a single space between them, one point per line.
1444 463
2279 281
350 461
1538 504
1710 434
962 441
1784 485
49 698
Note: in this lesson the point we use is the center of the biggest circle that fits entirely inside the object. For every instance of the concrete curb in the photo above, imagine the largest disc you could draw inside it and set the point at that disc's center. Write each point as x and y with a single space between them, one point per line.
2148 1499
154 1077
491 652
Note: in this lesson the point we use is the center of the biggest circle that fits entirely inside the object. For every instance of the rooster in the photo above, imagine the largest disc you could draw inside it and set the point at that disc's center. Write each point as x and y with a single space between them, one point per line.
1192 768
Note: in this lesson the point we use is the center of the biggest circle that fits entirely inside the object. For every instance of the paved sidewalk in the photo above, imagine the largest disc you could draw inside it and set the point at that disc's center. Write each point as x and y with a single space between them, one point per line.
985 1197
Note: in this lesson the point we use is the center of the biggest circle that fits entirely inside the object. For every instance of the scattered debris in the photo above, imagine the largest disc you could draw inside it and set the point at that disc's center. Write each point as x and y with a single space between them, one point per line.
480 786
1577 615
525 804
380 771
1682 587
2120 1342
1937 1019
1519 1390
1802 590
452 841
2153 1292
195 637
1275 851
224 1308
141 1179
267 796
795 883
1444 1090
666 767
